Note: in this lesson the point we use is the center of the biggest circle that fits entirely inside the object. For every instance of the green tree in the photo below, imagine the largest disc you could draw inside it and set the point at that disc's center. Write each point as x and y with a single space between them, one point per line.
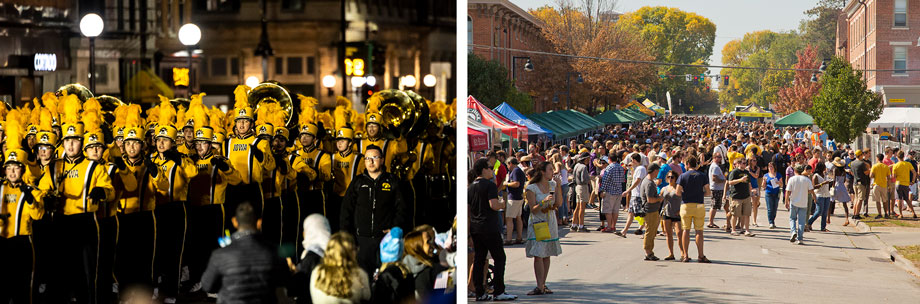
844 107
758 50
673 36
821 27
487 81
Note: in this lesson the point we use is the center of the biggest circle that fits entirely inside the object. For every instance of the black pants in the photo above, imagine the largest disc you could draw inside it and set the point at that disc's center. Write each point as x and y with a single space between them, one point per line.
236 194
134 251
290 221
108 237
369 253
334 212
422 198
483 244
407 189
310 202
171 226
205 226
78 245
44 242
271 222
18 258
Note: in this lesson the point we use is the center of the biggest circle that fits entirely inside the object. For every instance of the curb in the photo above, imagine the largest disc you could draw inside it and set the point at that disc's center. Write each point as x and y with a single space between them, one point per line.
890 251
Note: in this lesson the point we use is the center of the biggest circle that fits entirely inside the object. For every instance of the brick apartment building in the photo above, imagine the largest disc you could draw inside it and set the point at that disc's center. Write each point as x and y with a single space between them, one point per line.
495 24
891 41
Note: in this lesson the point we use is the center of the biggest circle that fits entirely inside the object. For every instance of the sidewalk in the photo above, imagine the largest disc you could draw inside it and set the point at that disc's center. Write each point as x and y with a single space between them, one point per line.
888 237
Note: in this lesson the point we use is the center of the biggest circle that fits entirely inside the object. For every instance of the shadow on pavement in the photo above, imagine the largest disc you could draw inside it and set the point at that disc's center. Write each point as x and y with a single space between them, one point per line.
579 292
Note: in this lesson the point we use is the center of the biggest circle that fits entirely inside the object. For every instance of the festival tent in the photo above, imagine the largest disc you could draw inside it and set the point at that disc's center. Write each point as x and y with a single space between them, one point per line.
567 123
620 117
479 141
482 114
897 117
797 119
753 111
654 107
513 115
635 114
641 107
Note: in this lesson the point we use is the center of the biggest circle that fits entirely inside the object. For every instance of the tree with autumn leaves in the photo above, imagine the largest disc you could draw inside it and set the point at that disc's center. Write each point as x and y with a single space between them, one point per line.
798 95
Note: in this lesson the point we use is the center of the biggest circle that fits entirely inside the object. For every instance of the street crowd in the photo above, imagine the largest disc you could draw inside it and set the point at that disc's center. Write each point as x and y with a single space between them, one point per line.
673 173
184 202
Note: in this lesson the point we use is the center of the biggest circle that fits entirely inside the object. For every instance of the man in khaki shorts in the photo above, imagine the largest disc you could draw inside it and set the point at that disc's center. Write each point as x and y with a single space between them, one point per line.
515 203
739 180
611 191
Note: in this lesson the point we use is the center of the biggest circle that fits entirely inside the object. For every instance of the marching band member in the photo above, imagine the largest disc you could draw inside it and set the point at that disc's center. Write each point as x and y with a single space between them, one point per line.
75 187
312 165
171 193
345 166
20 205
248 155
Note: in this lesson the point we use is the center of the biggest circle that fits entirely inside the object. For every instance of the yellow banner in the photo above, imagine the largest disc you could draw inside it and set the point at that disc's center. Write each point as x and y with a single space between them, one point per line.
752 114
897 100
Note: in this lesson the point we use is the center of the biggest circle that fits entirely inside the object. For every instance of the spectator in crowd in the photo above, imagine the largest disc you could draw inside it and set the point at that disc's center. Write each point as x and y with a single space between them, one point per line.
485 232
339 279
799 190
515 203
316 232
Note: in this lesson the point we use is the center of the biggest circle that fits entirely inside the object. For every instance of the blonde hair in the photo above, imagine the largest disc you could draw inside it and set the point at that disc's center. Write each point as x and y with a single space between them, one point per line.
334 274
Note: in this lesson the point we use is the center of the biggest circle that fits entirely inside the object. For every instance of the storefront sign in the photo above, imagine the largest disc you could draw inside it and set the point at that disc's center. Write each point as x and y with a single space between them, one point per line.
901 100
45 62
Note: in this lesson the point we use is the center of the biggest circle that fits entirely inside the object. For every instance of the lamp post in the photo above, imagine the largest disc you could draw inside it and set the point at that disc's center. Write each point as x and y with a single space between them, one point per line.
328 83
189 35
568 87
528 66
264 48
91 26
430 81
408 81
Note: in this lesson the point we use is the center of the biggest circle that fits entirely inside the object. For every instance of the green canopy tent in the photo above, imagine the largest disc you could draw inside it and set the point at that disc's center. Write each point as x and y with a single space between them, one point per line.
635 114
619 117
567 123
797 119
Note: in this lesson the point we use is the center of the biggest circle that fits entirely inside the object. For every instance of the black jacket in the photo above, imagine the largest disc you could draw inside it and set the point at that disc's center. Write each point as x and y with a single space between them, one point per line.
299 285
371 206
393 286
246 271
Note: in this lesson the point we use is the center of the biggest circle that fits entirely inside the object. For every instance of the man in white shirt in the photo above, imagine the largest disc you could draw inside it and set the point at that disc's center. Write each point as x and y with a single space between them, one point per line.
634 193
798 191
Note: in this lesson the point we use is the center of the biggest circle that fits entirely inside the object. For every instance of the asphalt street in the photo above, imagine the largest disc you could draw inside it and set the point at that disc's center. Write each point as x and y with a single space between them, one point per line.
841 266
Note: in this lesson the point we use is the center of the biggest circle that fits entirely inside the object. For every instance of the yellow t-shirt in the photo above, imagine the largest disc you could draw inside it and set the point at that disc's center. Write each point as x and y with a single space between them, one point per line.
880 174
732 156
902 172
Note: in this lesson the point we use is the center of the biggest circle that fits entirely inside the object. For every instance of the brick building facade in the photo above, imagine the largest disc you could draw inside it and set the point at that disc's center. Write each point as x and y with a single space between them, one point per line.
888 41
494 24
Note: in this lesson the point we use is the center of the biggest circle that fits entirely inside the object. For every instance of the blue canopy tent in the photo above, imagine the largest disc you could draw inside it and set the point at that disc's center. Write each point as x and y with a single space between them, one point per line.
534 130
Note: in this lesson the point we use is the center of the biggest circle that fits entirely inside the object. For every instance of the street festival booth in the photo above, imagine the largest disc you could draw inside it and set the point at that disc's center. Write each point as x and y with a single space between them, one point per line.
534 131
493 137
654 107
752 113
479 113
898 123
641 107
479 140
797 119
567 124
615 117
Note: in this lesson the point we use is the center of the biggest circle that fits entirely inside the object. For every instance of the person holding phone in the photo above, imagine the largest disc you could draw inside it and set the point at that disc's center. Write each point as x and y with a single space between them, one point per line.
541 199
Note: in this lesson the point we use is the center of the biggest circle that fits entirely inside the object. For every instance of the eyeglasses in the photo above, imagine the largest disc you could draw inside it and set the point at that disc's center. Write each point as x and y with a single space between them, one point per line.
44 148
372 158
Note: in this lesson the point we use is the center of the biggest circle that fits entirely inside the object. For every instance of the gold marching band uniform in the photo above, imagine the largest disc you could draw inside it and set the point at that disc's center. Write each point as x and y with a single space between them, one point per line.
109 196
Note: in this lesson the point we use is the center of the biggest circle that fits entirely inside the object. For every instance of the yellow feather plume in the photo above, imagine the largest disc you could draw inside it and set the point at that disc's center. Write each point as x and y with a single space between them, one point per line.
132 116
92 105
307 109
153 113
50 100
241 95
167 115
326 119
120 112
71 109
181 118
358 123
341 117
217 119
44 122
91 122
452 111
35 117
342 101
265 111
13 130
373 104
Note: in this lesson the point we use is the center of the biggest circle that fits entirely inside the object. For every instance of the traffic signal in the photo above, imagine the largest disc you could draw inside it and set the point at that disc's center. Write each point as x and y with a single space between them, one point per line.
696 79
378 60
367 91
725 80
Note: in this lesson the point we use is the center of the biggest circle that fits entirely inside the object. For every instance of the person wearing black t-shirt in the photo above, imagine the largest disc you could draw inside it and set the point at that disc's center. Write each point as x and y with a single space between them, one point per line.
739 182
485 231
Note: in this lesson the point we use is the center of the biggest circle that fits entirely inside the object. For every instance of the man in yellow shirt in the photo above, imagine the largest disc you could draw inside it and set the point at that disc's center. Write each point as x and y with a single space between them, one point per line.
879 174
901 171
732 156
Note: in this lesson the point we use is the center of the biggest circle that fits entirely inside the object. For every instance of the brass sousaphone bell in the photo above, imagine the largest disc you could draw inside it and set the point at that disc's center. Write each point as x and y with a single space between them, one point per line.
267 92
82 92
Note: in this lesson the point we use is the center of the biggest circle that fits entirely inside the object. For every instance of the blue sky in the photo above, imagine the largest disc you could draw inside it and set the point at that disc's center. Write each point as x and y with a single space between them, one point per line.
733 18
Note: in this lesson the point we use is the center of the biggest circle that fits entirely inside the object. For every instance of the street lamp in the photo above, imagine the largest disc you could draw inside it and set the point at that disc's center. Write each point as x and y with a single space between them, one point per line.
528 66
430 81
189 35
821 69
357 81
91 26
409 81
252 81
328 83
371 80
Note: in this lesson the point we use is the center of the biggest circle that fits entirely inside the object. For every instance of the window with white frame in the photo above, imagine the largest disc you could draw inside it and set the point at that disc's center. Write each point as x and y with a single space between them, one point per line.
900 13
900 60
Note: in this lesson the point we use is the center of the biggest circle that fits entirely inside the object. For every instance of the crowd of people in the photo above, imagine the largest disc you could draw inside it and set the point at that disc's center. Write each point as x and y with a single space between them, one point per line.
328 206
665 172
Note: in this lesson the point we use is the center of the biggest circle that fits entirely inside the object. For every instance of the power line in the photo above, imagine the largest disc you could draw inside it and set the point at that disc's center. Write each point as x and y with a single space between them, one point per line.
669 63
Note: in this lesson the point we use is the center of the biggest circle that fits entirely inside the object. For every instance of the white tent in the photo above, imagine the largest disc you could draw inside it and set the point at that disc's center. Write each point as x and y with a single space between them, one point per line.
897 117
